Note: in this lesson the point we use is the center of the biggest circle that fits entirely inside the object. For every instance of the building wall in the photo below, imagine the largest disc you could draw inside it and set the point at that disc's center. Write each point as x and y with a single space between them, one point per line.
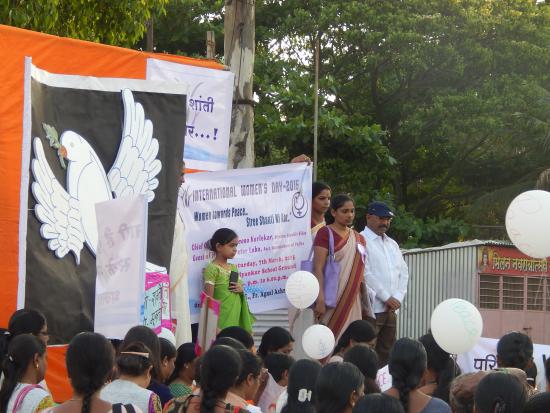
514 293
436 275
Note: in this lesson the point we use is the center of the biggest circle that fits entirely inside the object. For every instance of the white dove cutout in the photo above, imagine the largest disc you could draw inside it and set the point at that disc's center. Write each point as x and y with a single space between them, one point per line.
68 216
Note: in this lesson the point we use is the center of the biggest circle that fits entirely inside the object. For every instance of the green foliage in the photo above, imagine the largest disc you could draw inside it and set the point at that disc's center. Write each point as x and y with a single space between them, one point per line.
413 232
457 88
439 107
182 29
120 23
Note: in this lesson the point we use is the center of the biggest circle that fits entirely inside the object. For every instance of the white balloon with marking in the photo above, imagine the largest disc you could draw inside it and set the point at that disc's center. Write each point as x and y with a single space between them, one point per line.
528 223
168 335
456 325
302 289
318 341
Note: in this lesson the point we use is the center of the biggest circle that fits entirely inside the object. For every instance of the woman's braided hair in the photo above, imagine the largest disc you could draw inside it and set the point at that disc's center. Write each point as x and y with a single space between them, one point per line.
406 365
442 364
220 369
90 359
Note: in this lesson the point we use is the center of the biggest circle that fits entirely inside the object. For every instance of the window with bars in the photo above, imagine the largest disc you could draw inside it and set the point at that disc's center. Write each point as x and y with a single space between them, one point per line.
512 293
516 293
489 292
535 293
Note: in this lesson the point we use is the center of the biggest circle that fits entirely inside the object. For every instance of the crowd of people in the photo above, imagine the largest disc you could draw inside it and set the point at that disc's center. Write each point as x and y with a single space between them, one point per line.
145 373
362 276
368 282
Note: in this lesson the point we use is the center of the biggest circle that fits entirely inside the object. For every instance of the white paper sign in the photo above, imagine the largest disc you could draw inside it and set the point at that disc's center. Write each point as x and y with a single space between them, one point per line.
120 263
383 378
269 209
484 357
209 102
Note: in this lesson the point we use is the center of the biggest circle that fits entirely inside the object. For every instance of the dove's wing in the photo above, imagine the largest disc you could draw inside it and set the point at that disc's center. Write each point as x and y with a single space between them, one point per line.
58 212
136 164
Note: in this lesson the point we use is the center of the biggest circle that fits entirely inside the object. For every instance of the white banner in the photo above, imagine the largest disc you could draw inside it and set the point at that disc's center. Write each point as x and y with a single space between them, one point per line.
209 102
269 208
484 357
120 263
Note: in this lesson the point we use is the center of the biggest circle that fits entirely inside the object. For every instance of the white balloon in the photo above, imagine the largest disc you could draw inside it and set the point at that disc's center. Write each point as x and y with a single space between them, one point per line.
318 341
302 289
456 325
168 335
528 223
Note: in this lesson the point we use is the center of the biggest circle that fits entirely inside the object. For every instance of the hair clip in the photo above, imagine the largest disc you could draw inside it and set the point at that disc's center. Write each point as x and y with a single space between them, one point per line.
10 358
500 406
304 394
136 353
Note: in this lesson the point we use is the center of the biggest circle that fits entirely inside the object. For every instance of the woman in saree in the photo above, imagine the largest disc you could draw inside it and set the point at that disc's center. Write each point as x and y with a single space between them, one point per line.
320 204
300 320
349 249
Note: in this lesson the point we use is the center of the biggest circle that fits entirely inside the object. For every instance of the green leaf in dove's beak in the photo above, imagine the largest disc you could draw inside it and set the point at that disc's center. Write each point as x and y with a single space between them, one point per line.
52 136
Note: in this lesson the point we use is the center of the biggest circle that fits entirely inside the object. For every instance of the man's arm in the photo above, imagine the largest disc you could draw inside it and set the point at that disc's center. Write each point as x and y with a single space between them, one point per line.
301 158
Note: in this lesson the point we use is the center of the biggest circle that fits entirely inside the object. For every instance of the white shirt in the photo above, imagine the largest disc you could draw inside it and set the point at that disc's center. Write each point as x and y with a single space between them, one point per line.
271 393
31 400
386 271
125 392
281 402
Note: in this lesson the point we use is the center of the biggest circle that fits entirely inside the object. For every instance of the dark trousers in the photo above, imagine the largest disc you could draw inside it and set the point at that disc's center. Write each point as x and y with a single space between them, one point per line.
194 332
385 327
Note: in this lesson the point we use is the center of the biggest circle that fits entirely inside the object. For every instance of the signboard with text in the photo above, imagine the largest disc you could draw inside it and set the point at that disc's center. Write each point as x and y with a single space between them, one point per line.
510 261
269 208
484 357
120 263
156 302
209 103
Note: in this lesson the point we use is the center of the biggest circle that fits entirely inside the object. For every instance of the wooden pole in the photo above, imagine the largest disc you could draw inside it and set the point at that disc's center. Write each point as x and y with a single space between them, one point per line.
150 44
210 45
239 49
316 109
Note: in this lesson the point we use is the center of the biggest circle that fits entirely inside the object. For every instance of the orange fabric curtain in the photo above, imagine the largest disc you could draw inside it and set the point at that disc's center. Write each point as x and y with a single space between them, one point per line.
57 55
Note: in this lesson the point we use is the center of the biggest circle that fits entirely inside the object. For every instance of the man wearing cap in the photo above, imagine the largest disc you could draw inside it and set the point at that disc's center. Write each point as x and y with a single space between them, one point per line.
387 274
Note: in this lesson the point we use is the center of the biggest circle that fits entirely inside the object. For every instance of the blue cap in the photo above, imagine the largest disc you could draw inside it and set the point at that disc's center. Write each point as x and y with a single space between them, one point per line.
380 209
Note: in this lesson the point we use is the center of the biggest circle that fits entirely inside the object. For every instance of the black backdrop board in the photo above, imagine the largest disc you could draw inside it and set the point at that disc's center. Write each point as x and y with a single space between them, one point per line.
59 287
